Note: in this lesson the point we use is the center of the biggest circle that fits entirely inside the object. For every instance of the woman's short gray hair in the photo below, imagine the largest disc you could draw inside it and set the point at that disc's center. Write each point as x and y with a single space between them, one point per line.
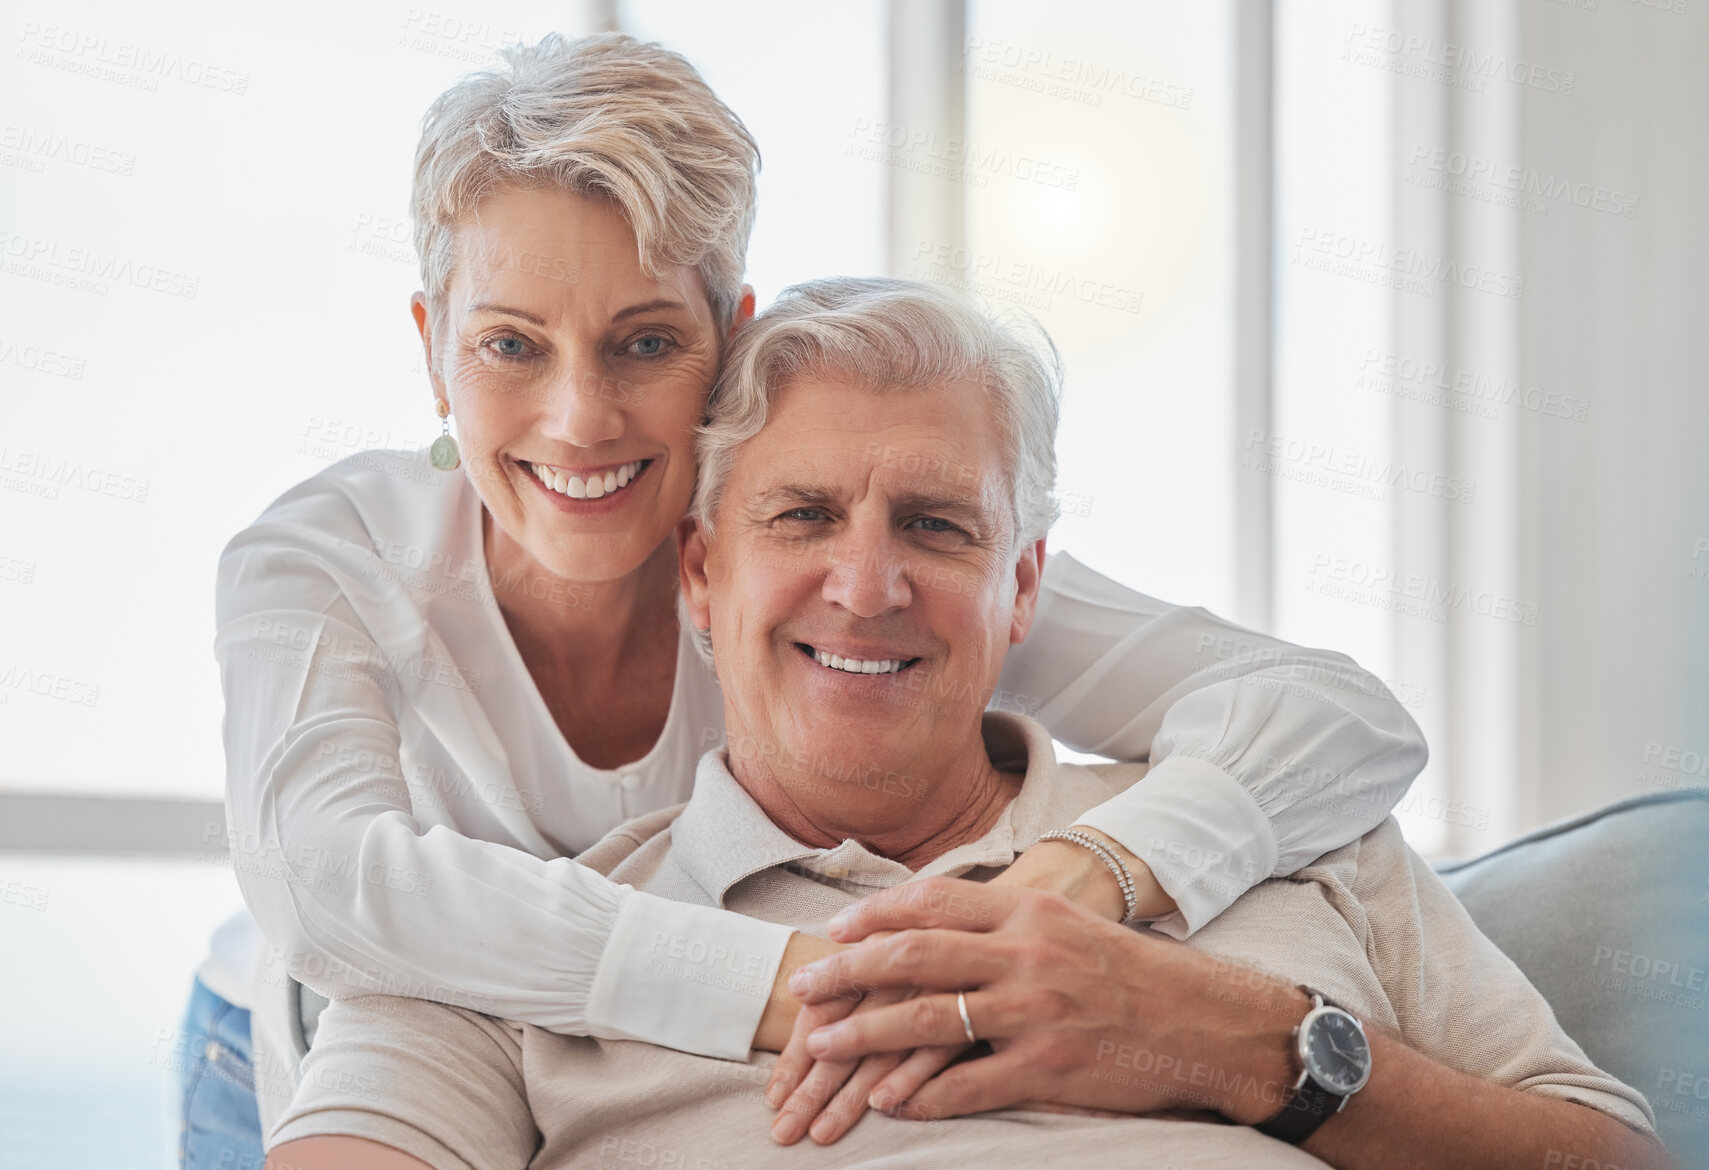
608 116
893 335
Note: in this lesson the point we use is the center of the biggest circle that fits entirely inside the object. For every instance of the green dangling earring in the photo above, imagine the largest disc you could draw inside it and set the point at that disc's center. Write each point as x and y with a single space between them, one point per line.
444 454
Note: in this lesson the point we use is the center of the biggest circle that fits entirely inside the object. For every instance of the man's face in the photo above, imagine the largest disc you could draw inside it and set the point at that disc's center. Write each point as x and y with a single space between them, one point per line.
864 585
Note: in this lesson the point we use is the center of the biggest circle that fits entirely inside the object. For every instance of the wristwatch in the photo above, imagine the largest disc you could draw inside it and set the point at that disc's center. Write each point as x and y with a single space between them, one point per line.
1335 1060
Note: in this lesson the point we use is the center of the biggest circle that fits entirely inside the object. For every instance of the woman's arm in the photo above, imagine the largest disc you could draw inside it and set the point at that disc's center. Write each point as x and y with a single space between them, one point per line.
355 895
1263 755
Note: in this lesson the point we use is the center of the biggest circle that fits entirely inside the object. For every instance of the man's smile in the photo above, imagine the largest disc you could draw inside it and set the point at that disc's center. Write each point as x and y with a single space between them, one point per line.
853 665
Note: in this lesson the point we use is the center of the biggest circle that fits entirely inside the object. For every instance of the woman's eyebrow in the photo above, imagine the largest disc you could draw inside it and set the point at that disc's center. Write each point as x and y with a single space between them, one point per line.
622 314
489 307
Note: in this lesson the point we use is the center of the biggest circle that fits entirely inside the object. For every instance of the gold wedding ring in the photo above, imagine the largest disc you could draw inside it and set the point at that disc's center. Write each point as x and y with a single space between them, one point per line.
966 1020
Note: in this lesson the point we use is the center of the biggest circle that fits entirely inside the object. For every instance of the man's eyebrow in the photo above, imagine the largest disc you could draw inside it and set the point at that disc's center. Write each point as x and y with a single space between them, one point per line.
649 307
794 495
953 503
966 507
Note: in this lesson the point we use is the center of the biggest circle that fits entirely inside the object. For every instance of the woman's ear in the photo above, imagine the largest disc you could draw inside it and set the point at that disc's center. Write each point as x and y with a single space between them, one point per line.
691 572
744 309
424 326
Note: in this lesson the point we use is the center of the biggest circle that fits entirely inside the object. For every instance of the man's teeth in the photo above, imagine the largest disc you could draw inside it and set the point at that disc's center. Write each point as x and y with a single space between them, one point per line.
858 665
591 488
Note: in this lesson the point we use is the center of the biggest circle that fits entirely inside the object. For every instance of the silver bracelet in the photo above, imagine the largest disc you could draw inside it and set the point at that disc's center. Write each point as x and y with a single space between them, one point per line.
1124 879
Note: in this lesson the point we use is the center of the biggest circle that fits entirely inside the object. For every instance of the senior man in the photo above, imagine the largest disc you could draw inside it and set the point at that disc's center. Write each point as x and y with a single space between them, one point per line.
866 545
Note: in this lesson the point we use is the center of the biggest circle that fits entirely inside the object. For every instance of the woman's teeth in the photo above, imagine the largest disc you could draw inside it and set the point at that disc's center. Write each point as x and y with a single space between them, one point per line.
590 488
858 665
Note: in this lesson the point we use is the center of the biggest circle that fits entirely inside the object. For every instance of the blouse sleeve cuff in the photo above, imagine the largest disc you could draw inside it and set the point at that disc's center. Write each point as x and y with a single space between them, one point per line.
1203 835
687 977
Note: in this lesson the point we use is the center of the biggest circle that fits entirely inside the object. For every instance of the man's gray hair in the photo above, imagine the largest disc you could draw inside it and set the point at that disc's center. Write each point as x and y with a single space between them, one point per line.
606 116
893 336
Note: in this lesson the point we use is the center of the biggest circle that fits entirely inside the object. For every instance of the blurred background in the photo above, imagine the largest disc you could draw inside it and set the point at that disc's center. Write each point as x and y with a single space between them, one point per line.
1378 322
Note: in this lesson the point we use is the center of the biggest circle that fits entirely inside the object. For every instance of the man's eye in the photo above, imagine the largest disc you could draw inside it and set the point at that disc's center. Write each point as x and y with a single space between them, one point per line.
935 524
803 514
651 345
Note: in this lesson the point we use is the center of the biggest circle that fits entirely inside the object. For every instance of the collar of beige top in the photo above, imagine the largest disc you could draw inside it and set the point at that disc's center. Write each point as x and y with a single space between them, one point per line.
723 836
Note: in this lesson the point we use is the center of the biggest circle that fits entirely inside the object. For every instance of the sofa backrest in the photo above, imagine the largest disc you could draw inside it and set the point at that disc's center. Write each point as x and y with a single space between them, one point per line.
1608 915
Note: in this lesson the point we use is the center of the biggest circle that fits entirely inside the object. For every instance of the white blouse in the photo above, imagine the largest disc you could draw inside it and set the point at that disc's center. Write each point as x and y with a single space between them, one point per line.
404 810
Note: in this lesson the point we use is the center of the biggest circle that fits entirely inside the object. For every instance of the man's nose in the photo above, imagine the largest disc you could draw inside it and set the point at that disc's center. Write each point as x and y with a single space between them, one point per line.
578 409
867 575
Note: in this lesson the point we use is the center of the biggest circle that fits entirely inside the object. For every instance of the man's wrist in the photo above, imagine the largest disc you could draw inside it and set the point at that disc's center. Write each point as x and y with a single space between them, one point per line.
1255 1031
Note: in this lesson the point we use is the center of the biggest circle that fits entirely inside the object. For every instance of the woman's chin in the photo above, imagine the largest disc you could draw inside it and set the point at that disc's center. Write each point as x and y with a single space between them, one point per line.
598 558
590 550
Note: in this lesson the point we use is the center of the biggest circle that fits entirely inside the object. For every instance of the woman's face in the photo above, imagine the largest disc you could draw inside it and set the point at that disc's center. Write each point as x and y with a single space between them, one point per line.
574 377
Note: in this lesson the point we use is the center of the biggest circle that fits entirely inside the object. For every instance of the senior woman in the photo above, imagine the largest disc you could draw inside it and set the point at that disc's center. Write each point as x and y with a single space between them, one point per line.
443 684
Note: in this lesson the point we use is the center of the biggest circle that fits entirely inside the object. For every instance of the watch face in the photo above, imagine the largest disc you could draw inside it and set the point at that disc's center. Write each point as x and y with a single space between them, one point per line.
1336 1052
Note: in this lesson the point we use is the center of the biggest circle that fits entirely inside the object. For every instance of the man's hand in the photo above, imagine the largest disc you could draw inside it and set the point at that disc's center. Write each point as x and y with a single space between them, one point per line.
1078 1010
1082 1012
1075 872
826 1098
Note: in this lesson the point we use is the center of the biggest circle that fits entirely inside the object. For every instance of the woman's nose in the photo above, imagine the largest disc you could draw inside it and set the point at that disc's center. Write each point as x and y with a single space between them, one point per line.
582 408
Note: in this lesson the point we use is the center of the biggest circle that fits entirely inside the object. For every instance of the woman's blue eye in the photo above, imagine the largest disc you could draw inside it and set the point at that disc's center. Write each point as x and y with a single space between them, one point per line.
509 346
649 346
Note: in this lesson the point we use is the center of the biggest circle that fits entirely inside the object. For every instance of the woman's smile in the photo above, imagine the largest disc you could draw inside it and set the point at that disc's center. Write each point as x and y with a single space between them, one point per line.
587 484
582 490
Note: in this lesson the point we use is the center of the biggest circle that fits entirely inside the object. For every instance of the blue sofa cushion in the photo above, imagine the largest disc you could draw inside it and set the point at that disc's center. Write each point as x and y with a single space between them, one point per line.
1608 915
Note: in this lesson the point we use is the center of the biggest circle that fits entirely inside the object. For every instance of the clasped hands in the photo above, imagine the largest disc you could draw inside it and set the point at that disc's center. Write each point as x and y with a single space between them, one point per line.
1078 1012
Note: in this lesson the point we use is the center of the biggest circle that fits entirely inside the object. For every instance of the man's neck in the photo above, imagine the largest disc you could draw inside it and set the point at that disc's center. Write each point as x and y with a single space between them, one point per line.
914 811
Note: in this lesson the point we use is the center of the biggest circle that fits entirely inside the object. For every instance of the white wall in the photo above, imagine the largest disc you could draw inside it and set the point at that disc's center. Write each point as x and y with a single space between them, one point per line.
1616 510
1493 313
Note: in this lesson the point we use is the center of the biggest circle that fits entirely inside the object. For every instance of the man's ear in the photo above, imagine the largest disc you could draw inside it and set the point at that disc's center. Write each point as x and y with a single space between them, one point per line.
424 326
744 309
691 572
1029 574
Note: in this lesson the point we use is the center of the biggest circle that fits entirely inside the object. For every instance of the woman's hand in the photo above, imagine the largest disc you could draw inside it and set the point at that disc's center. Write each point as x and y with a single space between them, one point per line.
1075 872
815 1096
826 1098
1078 1010
833 1094
778 1019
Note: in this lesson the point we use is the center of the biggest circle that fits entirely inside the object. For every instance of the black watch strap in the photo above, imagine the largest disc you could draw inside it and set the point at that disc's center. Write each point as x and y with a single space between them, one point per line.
1309 1105
1307 1108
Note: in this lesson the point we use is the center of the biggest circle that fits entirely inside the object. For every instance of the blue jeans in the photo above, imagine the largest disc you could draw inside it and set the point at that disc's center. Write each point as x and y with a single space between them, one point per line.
219 1124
